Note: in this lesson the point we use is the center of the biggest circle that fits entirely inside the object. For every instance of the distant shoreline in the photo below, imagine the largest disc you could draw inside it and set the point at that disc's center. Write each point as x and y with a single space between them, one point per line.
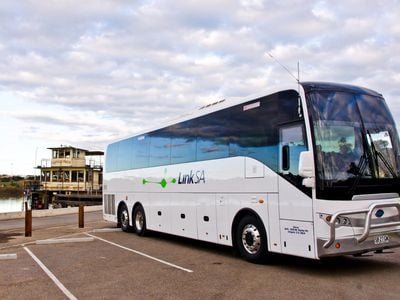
11 192
11 187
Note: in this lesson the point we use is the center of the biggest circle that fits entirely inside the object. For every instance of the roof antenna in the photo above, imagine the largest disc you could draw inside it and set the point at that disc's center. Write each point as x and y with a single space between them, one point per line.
299 110
287 70
298 71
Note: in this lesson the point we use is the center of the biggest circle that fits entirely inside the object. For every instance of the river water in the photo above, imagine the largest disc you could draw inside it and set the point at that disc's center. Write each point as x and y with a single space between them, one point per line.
10 205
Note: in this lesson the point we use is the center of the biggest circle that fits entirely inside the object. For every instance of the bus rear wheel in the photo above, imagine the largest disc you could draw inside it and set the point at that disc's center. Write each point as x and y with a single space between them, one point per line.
139 220
251 239
123 218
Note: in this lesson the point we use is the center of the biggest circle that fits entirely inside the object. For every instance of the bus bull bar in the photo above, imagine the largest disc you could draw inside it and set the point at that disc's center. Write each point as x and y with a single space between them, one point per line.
368 221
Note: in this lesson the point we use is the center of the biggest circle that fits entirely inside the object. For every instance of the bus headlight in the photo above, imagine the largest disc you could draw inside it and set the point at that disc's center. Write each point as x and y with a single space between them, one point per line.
340 221
343 221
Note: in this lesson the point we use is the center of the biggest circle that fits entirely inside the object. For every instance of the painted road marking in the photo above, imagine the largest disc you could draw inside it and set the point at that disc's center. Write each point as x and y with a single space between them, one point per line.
51 275
142 254
60 241
8 256
107 230
34 242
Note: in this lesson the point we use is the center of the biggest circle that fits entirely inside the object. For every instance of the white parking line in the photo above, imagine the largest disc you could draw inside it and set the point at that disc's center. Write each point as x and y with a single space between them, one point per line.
142 254
8 256
51 275
107 230
34 242
69 240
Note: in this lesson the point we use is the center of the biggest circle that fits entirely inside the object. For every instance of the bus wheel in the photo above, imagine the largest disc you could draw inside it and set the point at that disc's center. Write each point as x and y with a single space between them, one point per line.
139 220
251 240
123 217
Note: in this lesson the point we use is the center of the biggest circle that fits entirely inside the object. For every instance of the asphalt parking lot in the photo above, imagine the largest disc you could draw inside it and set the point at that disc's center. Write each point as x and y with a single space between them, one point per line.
98 262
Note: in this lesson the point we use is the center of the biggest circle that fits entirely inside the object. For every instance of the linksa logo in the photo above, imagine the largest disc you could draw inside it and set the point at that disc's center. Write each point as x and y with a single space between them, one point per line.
194 177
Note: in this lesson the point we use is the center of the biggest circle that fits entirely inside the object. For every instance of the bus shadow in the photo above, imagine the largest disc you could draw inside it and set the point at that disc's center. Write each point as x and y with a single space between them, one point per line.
191 243
342 265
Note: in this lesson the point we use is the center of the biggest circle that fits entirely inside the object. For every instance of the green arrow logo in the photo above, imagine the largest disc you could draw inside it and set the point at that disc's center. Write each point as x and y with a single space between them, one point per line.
163 182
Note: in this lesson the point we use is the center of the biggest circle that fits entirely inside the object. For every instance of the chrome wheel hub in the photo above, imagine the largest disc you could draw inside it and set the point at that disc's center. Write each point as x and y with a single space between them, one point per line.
251 239
124 218
139 221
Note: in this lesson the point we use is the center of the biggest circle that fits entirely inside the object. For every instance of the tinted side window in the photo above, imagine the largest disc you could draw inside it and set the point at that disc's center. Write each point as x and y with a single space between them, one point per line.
183 142
124 161
212 135
253 130
183 150
160 150
250 129
292 137
141 151
111 157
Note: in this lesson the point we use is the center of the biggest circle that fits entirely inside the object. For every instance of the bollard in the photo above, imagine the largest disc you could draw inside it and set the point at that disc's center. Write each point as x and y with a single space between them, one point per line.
28 221
81 216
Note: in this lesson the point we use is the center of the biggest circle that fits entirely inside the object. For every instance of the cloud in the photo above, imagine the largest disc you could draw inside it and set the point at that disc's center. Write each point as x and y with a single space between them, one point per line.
114 67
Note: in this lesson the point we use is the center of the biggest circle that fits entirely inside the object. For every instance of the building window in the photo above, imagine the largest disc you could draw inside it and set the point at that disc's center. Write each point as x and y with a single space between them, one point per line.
65 175
81 176
46 176
74 176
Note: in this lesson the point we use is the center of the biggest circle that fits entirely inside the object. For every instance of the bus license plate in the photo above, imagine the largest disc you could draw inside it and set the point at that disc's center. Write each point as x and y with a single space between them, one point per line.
381 239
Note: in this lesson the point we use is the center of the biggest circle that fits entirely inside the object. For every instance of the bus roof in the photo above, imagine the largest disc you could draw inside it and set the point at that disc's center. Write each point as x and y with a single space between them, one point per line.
320 86
212 107
307 86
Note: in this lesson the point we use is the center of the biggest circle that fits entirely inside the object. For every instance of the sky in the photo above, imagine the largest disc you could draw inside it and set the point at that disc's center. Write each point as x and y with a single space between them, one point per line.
85 73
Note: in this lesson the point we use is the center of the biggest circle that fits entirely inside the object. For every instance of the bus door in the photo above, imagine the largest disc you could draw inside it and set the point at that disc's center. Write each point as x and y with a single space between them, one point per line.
295 202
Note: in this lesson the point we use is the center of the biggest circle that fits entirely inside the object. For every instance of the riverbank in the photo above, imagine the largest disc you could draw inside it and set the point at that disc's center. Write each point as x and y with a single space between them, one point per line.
48 212
11 192
11 188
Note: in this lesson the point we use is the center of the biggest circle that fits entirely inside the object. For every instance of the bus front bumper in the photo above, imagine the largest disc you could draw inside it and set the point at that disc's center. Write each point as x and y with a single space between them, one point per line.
349 245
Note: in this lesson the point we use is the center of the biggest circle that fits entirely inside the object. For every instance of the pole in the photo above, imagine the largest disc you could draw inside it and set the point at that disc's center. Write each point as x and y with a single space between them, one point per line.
81 216
28 220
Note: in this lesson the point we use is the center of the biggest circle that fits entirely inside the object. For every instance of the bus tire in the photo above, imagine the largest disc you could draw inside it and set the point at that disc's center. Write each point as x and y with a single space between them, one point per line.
251 239
139 221
123 218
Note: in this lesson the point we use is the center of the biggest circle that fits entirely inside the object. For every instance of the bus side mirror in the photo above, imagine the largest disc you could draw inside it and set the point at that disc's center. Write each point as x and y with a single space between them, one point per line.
306 168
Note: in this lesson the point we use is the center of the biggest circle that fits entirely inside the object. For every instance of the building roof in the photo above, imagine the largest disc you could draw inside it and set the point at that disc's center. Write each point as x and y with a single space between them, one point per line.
87 152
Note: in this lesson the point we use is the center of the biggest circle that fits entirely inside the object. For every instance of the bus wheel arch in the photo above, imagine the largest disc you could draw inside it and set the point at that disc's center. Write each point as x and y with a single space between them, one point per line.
123 217
139 219
249 236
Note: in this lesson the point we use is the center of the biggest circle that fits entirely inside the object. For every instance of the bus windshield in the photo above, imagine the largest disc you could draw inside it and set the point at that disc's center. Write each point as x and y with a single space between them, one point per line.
356 143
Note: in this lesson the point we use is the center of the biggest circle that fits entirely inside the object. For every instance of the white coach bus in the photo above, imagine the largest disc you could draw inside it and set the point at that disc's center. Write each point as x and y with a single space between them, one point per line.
311 171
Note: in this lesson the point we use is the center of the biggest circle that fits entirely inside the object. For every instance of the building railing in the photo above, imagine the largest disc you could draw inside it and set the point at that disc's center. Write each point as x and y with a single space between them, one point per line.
68 162
70 186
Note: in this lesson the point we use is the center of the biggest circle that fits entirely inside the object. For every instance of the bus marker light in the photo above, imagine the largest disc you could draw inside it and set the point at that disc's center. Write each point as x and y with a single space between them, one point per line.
261 201
328 218
337 245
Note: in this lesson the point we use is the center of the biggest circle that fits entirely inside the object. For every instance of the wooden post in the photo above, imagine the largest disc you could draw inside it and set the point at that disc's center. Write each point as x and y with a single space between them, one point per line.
28 220
81 216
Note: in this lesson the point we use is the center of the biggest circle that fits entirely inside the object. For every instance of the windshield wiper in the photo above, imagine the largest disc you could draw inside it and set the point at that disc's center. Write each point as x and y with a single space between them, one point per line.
377 154
365 160
370 156
359 172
